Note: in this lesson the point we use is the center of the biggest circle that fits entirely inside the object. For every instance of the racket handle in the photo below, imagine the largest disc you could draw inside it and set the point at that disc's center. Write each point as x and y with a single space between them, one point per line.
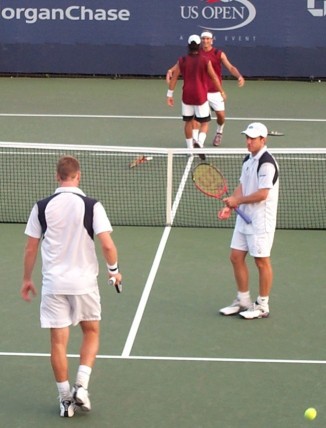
243 215
112 281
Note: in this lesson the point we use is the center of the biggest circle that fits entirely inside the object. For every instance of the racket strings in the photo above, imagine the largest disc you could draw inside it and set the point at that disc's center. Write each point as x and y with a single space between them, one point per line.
210 181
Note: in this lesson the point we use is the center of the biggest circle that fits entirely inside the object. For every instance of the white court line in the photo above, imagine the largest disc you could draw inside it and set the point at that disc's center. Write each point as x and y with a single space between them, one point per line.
109 116
147 289
150 280
176 359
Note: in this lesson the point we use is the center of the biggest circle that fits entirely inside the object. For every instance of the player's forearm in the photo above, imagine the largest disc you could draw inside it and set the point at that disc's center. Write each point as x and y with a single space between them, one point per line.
109 250
173 81
218 85
216 81
253 198
235 72
29 263
111 256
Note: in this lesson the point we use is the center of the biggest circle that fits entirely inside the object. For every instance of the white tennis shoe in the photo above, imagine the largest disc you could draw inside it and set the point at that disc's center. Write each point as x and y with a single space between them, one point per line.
217 139
67 408
255 311
236 307
80 395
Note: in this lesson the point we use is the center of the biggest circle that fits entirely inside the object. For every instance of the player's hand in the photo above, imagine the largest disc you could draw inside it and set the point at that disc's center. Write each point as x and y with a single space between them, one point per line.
241 81
116 281
224 213
231 202
223 95
170 101
28 291
117 277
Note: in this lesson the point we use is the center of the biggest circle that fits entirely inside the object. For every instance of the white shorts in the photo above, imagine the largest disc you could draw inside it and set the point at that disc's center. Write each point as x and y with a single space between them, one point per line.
257 245
59 311
216 101
202 112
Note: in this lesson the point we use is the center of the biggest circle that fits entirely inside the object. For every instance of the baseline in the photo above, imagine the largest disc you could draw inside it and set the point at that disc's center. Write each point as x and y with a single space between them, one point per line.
112 116
161 358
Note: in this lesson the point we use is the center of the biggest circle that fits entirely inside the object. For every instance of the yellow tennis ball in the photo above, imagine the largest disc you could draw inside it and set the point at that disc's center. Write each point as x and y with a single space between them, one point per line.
310 414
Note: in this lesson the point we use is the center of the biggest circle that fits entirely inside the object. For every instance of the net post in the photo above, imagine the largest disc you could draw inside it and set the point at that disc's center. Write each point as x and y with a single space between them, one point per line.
169 176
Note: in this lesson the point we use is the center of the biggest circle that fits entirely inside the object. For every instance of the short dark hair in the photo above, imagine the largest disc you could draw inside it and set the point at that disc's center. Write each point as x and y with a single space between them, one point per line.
67 167
193 47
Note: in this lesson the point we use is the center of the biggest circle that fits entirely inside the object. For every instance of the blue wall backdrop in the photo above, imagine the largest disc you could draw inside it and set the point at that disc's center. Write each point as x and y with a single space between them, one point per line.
268 38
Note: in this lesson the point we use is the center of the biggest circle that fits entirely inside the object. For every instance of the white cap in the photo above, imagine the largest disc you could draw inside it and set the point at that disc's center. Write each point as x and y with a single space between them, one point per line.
207 34
194 38
255 130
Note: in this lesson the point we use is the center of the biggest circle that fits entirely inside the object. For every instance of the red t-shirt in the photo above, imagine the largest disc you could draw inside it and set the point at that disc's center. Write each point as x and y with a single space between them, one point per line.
193 68
214 55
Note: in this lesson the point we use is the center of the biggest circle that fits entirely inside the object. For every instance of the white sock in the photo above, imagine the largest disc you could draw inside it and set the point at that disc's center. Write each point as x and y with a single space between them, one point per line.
189 143
244 296
263 301
219 129
83 375
195 134
202 138
64 390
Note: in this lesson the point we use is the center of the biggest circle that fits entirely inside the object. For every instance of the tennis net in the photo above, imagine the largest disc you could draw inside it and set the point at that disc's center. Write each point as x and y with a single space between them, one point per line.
158 191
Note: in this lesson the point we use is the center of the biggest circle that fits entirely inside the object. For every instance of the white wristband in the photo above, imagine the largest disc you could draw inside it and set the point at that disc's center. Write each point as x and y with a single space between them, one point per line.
114 269
170 93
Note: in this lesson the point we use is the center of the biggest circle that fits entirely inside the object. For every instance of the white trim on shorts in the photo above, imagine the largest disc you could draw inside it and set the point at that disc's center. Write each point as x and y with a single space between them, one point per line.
59 310
257 245
200 112
216 101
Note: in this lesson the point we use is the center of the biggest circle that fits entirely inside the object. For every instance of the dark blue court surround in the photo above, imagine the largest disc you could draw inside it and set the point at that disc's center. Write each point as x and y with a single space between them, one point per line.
263 38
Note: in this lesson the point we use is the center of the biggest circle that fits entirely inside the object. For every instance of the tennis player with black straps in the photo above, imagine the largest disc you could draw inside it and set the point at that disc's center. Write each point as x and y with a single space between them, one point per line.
65 224
257 195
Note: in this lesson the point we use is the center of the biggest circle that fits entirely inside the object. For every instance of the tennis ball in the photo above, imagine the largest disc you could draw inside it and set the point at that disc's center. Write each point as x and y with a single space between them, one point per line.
310 414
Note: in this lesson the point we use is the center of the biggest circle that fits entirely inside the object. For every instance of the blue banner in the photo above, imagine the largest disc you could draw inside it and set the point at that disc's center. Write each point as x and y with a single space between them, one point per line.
262 38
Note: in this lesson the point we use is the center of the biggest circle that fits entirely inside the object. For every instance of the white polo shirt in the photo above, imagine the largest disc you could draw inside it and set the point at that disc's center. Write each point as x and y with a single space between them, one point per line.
69 262
263 214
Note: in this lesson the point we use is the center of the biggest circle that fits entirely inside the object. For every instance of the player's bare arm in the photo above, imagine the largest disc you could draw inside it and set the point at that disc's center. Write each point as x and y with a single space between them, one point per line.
28 288
170 72
215 79
232 69
172 85
238 199
110 254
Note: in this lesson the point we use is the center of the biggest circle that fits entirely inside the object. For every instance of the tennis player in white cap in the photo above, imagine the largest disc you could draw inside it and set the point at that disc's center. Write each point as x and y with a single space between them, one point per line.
257 195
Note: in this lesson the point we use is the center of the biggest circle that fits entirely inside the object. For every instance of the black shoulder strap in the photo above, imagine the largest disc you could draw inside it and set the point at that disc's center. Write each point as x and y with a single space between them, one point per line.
41 211
88 216
268 158
246 158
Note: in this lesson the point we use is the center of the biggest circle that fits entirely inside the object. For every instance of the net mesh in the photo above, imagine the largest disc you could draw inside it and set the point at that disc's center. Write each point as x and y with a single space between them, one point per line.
159 191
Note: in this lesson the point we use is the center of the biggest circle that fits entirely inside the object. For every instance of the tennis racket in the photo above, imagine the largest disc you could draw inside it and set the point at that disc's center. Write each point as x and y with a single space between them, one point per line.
275 133
211 182
112 281
140 160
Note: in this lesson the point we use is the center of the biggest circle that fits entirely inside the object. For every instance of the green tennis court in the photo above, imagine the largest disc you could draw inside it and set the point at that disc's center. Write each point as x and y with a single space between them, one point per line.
167 359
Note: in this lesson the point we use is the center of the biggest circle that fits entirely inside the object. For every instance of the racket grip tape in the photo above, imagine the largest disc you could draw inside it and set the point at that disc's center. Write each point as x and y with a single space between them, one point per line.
243 215
112 281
